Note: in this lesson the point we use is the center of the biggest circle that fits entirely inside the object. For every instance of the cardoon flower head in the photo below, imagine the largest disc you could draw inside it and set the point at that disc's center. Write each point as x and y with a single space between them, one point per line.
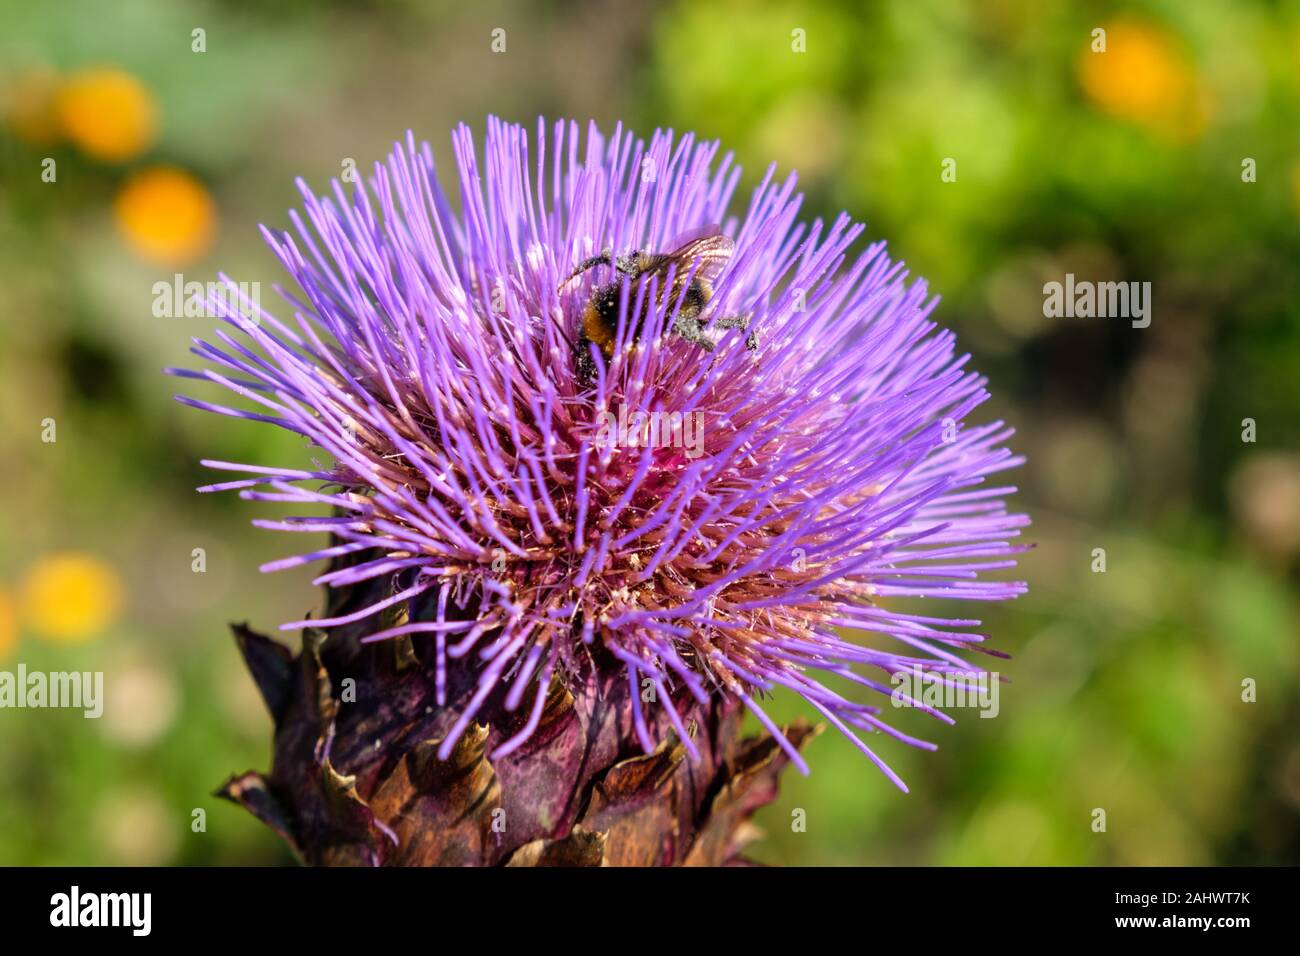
768 457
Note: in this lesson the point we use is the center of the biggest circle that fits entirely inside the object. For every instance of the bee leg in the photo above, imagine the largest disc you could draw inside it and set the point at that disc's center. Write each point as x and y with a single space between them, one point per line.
692 331
740 322
590 263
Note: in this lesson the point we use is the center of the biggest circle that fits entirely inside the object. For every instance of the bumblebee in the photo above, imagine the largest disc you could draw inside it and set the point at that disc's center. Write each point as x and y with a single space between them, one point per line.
706 253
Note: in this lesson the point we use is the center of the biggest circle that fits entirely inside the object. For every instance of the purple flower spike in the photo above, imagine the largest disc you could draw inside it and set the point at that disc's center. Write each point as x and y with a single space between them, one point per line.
766 455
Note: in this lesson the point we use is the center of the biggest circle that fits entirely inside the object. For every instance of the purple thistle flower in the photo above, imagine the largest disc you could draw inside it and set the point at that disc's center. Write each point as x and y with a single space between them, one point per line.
433 355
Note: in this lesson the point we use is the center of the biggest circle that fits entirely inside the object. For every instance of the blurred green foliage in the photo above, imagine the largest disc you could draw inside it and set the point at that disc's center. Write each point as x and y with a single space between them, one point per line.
1126 686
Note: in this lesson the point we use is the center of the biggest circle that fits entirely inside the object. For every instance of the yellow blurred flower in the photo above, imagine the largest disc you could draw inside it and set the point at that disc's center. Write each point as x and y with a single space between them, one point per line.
1143 77
166 215
8 625
30 107
108 113
70 596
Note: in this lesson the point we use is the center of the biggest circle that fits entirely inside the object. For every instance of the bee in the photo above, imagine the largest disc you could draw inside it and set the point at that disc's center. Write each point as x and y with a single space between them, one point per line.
696 261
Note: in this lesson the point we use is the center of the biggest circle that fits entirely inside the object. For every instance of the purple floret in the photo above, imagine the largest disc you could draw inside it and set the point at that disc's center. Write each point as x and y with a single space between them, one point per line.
432 354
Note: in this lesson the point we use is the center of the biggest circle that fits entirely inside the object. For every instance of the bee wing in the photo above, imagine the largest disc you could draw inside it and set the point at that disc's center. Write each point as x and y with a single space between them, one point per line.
703 253
690 235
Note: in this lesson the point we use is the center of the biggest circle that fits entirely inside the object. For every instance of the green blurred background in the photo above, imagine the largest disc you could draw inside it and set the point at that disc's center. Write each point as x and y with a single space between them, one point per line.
1127 686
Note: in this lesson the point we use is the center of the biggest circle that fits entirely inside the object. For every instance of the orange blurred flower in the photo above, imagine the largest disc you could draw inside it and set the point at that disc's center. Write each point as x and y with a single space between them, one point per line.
8 625
70 596
166 215
1143 77
30 107
108 113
